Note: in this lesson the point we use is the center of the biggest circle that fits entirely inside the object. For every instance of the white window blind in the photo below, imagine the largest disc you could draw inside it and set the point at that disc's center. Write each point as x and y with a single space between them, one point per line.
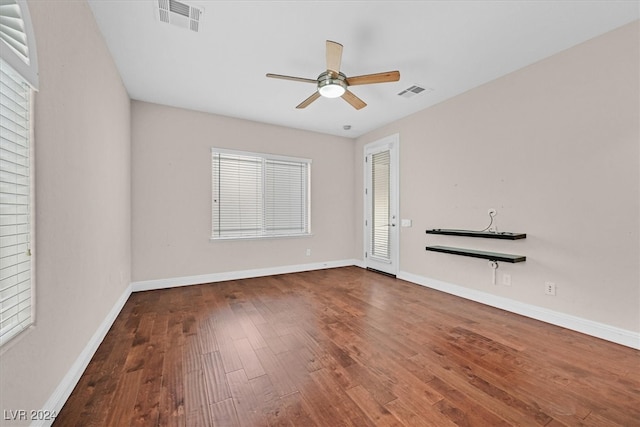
259 195
381 206
16 292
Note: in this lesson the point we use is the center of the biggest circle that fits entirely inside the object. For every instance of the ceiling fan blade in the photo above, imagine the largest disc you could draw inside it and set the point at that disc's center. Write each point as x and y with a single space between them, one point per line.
355 102
295 79
334 56
387 76
309 100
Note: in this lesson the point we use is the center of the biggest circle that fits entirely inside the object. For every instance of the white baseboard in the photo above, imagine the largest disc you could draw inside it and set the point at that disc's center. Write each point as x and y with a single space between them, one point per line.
359 263
585 326
148 285
63 391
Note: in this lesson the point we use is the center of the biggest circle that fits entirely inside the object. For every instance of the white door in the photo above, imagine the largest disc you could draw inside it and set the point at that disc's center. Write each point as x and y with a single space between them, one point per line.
381 205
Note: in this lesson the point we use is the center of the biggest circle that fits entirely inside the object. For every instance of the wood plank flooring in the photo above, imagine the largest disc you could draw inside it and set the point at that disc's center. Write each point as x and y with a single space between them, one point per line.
345 347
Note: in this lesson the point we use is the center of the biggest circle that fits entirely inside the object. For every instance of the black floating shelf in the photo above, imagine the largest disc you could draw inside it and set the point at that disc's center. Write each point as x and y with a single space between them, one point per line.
486 234
493 256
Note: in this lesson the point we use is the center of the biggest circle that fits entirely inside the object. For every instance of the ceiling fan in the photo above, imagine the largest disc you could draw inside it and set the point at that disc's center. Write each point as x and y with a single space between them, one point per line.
333 84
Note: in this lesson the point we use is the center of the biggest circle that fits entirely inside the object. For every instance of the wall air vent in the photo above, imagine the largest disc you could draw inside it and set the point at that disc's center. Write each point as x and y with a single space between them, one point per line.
180 14
413 91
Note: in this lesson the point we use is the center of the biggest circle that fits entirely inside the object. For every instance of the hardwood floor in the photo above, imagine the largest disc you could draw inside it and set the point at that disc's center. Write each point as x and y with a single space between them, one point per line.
345 347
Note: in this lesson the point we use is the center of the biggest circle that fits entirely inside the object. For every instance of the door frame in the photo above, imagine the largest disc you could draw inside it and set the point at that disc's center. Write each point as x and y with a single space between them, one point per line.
393 143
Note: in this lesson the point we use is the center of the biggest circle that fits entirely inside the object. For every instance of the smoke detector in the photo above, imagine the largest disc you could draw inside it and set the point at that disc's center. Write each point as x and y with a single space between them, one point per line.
180 14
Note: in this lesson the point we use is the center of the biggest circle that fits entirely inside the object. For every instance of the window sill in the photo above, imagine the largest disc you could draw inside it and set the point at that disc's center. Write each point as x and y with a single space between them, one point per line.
271 237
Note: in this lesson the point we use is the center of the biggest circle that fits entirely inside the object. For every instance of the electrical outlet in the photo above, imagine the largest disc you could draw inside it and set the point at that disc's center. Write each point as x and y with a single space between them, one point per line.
550 288
492 212
308 252
506 279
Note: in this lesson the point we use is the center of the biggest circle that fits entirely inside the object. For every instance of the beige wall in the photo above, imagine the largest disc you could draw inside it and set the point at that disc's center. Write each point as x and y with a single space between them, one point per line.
172 194
82 251
554 148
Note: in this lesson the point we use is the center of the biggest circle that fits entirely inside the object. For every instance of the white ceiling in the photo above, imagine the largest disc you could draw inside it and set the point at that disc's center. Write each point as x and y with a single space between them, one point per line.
447 46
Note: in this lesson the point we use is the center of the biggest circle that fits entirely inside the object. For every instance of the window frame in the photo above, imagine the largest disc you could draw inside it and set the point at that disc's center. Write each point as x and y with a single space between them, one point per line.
264 232
21 61
18 331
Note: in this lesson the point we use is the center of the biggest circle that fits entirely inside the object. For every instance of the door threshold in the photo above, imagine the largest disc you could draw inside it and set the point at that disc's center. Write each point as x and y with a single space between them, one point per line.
381 272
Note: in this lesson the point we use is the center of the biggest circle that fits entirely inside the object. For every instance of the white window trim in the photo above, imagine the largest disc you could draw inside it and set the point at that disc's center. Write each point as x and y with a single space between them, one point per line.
264 156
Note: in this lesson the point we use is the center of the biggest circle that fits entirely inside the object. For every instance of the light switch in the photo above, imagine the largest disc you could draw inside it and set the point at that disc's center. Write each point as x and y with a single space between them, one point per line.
405 223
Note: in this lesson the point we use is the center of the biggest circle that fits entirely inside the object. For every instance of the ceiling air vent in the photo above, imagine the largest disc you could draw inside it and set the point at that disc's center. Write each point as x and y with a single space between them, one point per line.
413 91
179 14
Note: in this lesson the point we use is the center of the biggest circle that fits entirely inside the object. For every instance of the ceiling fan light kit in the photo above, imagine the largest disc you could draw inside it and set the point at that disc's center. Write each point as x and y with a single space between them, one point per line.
334 84
331 85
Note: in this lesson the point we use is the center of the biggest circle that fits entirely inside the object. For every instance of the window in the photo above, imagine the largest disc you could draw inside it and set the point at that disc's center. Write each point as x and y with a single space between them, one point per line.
381 206
18 80
259 195
16 291
17 42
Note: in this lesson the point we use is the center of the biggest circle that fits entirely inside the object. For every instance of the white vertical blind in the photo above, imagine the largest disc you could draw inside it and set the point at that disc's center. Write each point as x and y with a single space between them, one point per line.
381 207
16 311
256 195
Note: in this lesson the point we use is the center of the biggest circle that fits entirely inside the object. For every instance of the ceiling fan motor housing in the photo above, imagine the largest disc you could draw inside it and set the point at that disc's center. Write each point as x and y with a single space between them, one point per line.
332 85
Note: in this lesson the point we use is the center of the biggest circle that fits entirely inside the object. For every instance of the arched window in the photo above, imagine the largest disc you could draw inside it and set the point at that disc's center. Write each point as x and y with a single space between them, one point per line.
18 79
17 42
